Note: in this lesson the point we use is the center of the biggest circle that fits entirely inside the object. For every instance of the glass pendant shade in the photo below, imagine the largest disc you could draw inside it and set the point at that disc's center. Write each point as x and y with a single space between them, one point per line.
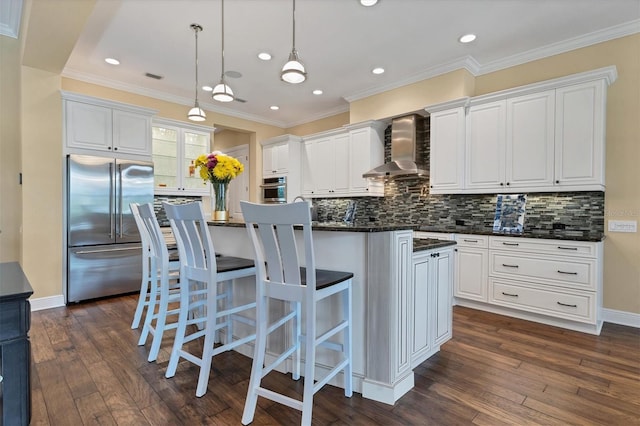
293 71
196 113
222 92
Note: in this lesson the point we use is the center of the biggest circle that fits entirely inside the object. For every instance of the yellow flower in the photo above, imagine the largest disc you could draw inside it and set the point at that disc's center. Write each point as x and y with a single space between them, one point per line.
218 167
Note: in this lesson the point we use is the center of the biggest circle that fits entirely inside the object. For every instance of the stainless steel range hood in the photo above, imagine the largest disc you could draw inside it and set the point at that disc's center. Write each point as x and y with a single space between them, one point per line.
405 158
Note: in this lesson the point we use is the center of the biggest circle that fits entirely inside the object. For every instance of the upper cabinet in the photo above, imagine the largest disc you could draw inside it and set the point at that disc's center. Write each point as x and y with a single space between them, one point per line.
275 159
544 137
446 173
334 161
98 126
176 145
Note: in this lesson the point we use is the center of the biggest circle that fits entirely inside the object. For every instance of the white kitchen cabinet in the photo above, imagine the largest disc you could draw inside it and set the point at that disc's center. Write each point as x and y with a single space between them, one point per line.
275 159
334 161
485 146
176 145
580 136
366 151
97 126
529 147
447 159
431 302
471 267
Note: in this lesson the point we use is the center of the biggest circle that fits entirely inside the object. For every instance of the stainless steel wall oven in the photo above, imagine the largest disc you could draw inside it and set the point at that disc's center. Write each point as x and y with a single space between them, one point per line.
274 190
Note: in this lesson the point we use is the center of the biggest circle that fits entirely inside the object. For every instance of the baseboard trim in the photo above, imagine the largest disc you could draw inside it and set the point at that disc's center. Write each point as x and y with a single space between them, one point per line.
41 303
621 317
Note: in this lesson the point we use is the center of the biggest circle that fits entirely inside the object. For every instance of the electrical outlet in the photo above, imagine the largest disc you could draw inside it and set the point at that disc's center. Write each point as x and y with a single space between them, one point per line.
623 226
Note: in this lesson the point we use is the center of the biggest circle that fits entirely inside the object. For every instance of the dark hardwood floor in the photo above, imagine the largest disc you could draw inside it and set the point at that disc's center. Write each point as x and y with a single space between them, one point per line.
88 370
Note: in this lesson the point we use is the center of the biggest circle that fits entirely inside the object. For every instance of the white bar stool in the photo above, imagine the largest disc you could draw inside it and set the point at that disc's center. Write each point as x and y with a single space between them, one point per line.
200 273
162 279
280 275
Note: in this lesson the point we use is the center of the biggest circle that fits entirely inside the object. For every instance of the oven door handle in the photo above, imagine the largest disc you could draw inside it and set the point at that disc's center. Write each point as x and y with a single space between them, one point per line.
273 185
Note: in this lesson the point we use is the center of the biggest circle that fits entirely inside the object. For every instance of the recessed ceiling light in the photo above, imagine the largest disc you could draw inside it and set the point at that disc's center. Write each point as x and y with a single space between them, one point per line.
317 92
112 61
274 107
467 38
368 3
207 88
378 70
264 56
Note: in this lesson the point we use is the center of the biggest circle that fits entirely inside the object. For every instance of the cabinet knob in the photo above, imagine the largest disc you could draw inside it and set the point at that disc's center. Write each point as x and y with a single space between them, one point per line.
501 184
557 181
430 186
508 184
108 147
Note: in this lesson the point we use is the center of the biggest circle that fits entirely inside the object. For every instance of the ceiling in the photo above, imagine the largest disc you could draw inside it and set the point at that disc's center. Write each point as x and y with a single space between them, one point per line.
339 41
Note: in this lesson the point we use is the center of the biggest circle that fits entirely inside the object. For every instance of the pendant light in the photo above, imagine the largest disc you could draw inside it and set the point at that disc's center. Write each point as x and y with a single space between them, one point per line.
293 71
196 113
222 92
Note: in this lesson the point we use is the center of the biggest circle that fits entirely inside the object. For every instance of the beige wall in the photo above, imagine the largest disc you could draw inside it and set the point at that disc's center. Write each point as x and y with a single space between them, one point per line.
413 97
225 139
328 123
10 189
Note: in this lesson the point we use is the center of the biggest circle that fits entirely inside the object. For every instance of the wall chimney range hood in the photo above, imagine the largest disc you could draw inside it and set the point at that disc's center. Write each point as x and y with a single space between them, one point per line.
405 157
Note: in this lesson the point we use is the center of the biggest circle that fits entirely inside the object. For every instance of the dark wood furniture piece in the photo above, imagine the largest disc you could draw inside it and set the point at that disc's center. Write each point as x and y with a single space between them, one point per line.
15 348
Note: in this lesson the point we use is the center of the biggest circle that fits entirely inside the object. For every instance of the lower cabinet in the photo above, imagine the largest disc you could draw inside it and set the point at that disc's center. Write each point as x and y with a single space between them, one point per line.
430 298
556 282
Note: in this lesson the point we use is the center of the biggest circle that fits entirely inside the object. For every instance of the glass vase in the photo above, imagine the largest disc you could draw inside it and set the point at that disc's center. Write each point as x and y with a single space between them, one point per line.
220 194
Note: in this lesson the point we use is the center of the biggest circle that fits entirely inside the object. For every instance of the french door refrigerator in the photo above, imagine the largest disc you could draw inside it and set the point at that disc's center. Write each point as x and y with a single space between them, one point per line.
104 255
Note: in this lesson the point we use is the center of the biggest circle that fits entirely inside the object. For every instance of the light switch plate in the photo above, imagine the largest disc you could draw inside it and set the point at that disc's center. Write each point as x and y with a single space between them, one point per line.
623 226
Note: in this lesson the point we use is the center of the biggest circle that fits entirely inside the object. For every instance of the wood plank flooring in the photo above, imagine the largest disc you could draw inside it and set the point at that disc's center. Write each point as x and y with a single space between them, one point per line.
88 370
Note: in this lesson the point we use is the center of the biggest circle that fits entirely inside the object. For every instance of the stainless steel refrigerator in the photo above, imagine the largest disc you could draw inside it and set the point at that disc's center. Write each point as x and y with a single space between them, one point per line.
104 254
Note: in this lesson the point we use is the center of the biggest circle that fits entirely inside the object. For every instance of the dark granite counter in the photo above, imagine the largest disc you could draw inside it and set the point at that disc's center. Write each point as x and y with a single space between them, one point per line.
557 234
422 244
338 226
13 282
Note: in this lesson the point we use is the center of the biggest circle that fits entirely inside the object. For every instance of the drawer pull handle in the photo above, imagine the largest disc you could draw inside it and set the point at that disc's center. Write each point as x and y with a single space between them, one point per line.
470 241
510 244
567 273
511 266
568 248
511 295
567 305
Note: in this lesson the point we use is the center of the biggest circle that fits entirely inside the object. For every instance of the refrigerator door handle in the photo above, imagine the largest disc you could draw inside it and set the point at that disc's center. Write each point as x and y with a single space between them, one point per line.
112 224
120 225
107 250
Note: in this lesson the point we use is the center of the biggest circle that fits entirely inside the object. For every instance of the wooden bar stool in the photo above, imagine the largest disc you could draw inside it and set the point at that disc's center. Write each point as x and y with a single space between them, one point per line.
200 273
280 275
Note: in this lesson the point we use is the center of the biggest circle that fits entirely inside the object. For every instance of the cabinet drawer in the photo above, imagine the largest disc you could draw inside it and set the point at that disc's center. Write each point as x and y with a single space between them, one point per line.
573 273
434 235
15 319
471 240
566 305
542 246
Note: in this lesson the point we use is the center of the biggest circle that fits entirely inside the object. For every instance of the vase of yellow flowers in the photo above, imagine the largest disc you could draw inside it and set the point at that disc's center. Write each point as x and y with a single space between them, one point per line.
219 169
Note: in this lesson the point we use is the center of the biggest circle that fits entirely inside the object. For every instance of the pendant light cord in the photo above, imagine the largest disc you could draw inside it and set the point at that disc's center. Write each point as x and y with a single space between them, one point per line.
294 25
197 28
222 18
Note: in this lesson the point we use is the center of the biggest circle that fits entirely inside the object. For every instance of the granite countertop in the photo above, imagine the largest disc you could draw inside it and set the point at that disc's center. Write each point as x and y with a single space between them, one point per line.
558 234
13 282
422 244
338 226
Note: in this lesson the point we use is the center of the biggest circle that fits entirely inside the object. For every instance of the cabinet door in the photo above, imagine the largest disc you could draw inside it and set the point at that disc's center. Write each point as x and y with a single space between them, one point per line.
485 146
341 166
442 282
281 158
447 151
194 144
268 163
165 158
322 166
420 312
366 151
88 126
131 133
471 273
308 179
579 134
530 140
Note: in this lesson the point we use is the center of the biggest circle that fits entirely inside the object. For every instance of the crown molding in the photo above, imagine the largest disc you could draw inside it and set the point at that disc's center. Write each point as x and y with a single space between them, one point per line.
595 37
10 15
468 62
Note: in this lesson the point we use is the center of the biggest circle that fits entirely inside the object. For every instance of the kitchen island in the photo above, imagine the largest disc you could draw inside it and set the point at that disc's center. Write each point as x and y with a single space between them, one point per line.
393 319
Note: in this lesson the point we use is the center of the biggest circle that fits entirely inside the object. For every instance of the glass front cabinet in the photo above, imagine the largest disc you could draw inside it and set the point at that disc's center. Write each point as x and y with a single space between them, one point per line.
176 146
